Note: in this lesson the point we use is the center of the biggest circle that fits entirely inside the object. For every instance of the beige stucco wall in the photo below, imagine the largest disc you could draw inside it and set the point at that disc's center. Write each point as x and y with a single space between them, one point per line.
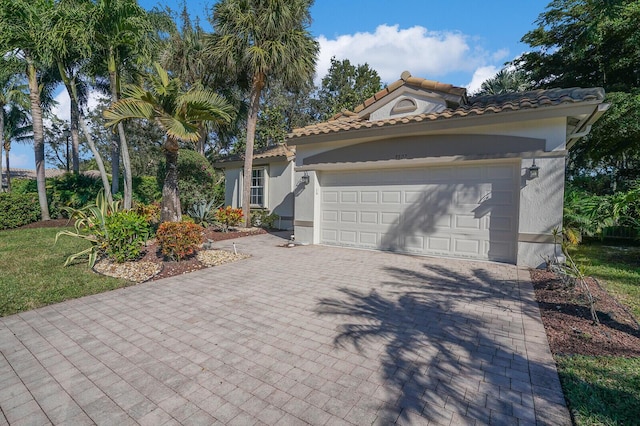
280 199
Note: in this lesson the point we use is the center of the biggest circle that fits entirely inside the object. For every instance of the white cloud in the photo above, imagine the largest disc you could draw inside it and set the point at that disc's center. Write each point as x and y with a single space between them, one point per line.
18 160
390 50
480 75
61 110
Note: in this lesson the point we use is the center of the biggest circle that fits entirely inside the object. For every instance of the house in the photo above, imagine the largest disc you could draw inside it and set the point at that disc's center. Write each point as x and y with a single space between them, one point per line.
421 168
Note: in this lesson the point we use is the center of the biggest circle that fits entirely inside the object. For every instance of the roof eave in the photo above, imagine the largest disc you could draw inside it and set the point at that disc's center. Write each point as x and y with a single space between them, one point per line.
424 126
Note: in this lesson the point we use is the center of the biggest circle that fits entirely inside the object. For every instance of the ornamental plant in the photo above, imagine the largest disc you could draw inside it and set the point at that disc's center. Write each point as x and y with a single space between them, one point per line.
178 240
90 225
228 216
127 232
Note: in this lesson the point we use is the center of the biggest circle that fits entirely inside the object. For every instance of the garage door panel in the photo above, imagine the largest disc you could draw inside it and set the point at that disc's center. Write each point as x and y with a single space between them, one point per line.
467 222
369 197
466 247
349 217
391 197
329 196
462 211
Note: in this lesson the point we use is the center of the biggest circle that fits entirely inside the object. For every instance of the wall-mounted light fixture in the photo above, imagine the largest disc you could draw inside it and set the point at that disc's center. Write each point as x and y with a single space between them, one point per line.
534 170
305 178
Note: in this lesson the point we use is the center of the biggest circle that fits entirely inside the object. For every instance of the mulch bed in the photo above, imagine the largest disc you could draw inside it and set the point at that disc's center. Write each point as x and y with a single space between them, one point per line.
567 319
152 250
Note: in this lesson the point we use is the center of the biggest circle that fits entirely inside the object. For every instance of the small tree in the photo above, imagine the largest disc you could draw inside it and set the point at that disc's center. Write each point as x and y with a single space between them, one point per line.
179 113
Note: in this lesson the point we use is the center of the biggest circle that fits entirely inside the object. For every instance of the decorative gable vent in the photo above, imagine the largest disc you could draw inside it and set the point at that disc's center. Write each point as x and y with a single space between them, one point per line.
404 106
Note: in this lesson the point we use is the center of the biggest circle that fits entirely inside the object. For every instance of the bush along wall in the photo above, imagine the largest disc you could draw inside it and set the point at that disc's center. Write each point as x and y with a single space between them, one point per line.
18 209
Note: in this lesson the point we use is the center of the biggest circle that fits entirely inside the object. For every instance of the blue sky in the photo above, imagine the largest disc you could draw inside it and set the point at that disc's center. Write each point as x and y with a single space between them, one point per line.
462 42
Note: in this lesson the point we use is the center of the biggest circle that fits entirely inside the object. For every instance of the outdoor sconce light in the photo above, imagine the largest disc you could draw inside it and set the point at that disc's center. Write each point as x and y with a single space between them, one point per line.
305 178
534 170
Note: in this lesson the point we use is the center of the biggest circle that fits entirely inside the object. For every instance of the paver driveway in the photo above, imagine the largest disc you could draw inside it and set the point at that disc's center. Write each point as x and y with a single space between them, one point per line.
311 334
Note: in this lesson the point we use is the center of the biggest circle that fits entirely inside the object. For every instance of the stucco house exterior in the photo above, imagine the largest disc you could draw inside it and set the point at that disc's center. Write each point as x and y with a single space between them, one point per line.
421 168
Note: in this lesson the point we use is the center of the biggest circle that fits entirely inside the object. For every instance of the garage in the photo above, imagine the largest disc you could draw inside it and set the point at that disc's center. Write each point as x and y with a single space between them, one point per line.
465 211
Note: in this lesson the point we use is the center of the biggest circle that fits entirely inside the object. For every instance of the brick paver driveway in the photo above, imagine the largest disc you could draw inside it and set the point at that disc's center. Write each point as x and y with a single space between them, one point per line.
311 334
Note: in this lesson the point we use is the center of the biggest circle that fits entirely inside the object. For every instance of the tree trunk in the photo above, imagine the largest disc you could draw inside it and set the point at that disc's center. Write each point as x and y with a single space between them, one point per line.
75 136
8 167
252 119
202 140
38 138
115 163
126 166
170 207
79 120
1 144
97 156
120 142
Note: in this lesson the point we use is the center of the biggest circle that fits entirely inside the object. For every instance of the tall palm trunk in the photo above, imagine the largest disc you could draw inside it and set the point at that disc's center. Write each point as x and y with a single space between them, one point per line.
252 119
120 149
75 136
7 147
1 143
170 209
38 138
78 119
97 156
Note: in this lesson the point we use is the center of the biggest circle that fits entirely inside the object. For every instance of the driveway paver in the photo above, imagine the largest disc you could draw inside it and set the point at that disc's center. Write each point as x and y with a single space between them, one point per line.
308 335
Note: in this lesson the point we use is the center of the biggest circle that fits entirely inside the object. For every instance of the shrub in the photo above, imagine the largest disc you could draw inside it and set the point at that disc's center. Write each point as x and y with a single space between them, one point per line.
228 216
127 231
264 219
197 180
71 191
146 189
18 209
90 225
23 186
150 212
178 240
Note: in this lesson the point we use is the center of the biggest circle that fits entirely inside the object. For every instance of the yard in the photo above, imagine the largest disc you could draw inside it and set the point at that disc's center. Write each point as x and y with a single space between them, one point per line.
599 366
602 389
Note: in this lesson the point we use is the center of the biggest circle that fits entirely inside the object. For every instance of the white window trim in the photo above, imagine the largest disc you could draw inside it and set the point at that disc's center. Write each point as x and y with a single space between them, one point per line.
265 194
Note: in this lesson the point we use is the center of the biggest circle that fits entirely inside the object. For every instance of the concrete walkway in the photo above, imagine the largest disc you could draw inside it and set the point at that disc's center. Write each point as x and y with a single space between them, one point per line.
312 334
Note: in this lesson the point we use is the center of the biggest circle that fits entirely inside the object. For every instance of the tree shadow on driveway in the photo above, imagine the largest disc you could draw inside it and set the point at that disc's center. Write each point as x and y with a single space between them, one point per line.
453 348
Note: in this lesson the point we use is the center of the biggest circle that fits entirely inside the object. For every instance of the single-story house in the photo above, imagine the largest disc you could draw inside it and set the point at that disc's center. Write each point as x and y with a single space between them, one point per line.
421 168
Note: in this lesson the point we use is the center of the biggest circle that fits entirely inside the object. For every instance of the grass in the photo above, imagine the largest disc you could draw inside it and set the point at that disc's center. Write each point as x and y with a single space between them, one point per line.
606 390
617 268
601 390
32 274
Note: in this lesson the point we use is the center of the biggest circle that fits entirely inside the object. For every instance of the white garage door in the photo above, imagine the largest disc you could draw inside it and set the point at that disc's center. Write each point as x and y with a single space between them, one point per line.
460 211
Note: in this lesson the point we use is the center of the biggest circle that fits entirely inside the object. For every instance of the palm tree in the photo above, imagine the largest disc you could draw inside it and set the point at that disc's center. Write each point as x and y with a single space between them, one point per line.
72 46
13 95
506 81
258 40
17 128
179 113
23 30
124 33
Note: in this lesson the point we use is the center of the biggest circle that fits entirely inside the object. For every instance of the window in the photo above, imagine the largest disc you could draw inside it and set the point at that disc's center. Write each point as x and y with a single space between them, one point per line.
257 197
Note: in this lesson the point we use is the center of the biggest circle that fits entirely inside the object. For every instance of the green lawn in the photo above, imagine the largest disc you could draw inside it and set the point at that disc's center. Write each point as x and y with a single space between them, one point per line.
32 275
601 390
606 390
617 268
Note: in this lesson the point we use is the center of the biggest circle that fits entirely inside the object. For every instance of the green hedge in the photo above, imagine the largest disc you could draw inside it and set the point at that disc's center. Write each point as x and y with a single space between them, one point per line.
18 209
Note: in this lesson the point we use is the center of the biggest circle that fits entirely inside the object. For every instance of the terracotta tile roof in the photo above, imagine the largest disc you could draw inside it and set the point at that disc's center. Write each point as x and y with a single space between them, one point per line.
478 105
280 150
31 173
406 79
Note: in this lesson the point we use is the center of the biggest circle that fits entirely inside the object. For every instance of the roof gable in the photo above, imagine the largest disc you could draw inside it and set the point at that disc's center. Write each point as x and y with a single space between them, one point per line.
407 96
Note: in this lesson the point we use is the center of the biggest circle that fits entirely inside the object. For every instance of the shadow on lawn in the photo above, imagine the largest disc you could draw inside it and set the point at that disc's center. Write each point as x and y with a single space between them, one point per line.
439 361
